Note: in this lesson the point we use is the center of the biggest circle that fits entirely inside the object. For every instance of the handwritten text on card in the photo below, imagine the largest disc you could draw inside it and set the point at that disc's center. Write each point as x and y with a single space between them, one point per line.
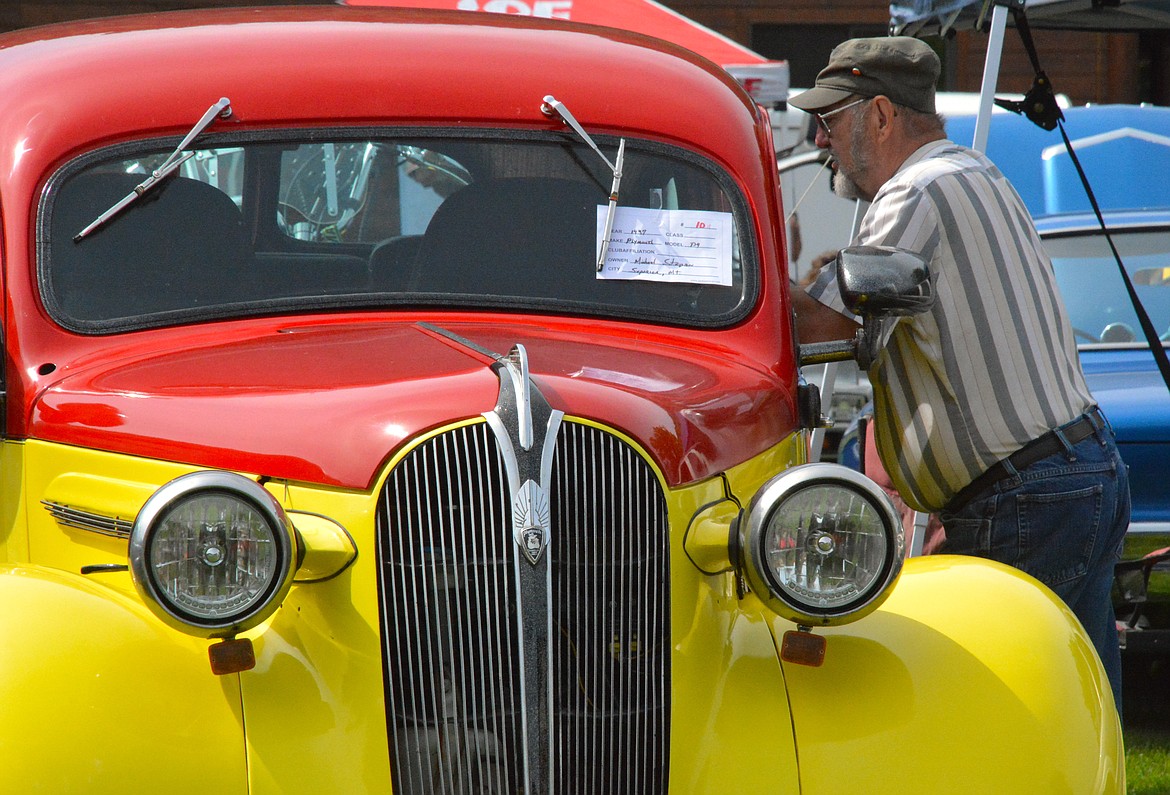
683 246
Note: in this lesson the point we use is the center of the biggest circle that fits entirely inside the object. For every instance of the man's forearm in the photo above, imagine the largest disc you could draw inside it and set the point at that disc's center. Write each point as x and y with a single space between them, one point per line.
816 322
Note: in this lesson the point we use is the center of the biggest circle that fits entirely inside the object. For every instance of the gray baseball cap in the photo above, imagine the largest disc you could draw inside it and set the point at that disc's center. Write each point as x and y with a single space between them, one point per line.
902 68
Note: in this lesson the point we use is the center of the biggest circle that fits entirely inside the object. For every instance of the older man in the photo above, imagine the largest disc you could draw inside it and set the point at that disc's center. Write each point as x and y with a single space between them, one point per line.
982 413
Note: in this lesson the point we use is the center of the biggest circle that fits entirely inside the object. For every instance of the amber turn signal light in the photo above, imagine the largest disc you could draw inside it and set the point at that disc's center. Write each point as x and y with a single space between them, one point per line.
231 656
803 648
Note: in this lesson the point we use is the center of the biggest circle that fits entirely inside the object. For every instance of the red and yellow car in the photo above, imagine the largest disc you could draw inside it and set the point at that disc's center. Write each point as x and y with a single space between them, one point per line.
409 402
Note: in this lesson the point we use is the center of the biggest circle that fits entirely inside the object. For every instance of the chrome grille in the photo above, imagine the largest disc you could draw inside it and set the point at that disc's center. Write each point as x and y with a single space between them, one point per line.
455 685
89 520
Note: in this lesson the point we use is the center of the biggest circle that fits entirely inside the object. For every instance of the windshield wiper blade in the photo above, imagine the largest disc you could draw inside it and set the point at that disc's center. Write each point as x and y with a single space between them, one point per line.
613 200
551 106
221 109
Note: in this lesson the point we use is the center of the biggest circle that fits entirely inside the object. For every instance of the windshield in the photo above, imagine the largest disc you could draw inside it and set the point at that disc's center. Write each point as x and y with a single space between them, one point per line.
511 223
1094 293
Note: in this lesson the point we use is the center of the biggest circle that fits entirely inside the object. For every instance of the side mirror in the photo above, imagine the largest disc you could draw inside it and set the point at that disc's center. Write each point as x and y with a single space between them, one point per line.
876 282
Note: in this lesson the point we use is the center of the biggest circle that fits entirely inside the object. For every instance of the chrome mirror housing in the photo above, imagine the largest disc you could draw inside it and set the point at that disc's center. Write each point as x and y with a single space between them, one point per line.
876 282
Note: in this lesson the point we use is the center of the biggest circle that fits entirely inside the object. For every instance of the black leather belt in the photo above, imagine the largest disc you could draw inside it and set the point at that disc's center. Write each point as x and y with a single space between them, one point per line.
1040 447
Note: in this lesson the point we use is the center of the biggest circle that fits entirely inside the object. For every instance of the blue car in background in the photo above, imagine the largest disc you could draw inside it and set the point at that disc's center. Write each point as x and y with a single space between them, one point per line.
1125 153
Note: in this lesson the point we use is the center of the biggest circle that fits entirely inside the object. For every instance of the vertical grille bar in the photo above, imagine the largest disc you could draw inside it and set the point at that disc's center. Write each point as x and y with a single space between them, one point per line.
449 611
447 602
611 591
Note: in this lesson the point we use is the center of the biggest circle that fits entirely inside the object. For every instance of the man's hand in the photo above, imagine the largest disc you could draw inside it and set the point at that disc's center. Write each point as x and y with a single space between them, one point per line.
816 322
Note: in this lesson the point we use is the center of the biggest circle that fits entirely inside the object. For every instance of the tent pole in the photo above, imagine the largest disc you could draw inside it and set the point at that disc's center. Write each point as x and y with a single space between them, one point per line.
990 75
829 374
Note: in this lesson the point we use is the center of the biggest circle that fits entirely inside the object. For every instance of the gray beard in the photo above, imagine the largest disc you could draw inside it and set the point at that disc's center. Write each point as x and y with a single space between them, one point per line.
845 187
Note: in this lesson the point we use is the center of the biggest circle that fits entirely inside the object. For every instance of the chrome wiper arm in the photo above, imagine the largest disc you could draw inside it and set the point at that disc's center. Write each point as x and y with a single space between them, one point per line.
553 106
221 109
613 200
131 197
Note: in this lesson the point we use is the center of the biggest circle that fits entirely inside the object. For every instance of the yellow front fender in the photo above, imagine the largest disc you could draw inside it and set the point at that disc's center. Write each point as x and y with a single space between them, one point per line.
972 678
100 697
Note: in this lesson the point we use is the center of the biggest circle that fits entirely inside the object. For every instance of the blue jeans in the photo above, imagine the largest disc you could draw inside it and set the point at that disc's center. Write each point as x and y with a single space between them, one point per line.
1061 519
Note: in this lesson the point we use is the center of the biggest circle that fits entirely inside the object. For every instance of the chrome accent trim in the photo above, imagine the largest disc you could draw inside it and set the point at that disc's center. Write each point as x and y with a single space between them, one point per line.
448 615
519 408
779 489
516 367
466 343
530 525
583 682
104 568
1149 528
456 643
81 519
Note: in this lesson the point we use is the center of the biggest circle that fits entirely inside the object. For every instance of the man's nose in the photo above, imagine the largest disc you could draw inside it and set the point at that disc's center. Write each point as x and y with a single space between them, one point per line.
822 137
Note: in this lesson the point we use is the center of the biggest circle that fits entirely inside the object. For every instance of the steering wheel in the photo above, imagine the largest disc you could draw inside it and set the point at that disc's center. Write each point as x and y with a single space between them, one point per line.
1085 335
1118 332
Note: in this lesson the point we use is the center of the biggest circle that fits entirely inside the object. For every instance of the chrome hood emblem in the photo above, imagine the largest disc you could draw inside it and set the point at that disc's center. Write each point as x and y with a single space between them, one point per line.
526 430
530 520
525 427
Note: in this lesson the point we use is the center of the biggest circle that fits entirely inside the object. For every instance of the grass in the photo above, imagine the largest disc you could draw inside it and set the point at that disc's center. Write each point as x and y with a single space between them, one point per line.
1147 724
1147 760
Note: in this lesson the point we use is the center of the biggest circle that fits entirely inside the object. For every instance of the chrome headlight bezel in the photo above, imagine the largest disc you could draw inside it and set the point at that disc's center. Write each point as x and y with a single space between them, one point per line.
278 576
766 507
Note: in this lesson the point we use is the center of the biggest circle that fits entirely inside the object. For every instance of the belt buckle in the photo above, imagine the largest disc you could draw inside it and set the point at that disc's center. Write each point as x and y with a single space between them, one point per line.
1096 418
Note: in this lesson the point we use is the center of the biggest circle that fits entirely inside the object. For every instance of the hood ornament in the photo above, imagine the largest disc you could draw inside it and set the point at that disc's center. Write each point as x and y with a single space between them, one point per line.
526 430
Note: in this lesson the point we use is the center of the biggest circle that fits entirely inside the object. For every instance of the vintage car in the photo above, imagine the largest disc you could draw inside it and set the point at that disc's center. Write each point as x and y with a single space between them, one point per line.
409 402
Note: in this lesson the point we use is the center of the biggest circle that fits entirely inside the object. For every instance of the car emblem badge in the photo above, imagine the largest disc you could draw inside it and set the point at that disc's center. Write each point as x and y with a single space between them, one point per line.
530 518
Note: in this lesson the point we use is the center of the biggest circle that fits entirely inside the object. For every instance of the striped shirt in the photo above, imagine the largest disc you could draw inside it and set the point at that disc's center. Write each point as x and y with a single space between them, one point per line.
993 364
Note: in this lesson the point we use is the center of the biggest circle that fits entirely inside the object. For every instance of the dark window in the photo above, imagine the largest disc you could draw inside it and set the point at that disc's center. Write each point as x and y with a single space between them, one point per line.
1154 67
498 221
806 47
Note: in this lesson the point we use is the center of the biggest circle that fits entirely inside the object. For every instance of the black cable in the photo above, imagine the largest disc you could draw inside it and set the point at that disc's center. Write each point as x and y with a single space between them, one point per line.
1040 106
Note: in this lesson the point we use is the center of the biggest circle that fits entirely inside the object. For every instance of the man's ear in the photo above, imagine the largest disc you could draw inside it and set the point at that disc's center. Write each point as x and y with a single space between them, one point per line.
884 112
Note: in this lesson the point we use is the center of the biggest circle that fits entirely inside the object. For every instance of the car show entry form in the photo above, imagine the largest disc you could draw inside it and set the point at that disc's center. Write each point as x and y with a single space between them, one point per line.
680 246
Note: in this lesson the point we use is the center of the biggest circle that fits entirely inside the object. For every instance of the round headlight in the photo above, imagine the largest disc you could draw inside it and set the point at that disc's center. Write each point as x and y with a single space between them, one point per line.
823 544
213 553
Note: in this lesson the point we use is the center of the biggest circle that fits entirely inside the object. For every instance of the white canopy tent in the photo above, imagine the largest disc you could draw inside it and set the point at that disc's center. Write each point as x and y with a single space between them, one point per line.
924 17
928 16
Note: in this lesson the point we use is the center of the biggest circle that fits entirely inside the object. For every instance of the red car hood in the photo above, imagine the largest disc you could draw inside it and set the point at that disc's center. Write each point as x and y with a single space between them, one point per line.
329 403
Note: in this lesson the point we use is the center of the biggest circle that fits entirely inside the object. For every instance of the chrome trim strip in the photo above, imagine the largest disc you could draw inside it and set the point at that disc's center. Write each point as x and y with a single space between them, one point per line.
160 600
455 595
80 519
519 409
1149 528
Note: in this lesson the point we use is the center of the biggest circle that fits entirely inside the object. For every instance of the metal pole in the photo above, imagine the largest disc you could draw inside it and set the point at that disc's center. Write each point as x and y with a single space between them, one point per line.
829 374
817 442
990 75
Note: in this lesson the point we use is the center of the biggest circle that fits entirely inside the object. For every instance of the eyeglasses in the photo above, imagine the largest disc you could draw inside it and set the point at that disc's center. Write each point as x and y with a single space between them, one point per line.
820 117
